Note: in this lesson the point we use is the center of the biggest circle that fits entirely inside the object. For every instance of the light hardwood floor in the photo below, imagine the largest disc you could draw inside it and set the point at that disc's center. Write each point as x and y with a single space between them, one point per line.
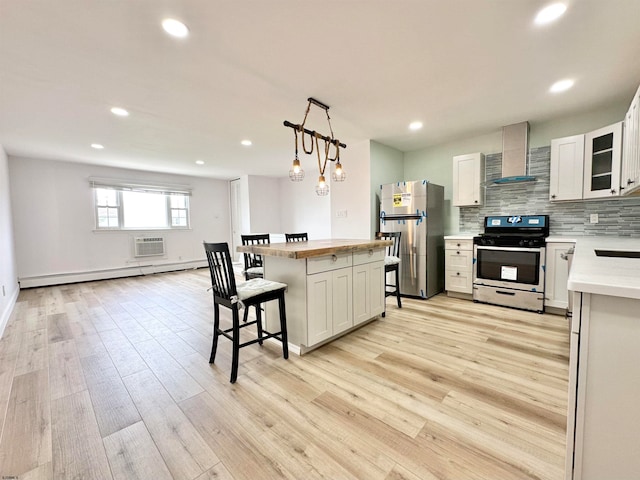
111 379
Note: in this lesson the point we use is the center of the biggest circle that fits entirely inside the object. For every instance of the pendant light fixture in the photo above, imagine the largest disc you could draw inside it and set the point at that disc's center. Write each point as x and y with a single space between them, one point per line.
296 174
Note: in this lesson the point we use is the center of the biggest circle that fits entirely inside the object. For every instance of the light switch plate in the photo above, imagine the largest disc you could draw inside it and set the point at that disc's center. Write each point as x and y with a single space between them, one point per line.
593 218
341 214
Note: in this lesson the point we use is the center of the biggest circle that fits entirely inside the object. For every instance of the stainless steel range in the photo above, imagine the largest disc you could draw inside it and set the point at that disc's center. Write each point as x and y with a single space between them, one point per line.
509 261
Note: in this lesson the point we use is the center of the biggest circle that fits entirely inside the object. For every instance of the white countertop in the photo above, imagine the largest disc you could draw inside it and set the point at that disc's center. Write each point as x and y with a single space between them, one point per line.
460 236
614 276
562 239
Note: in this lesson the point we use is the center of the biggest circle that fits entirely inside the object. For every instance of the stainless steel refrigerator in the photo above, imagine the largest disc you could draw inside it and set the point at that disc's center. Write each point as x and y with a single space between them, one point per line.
416 209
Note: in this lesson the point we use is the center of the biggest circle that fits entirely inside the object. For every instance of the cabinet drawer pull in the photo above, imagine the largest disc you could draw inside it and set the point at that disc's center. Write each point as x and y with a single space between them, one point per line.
458 253
334 258
370 252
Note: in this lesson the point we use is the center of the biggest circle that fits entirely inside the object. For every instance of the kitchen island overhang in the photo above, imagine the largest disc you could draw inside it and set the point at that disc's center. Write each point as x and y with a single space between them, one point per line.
334 286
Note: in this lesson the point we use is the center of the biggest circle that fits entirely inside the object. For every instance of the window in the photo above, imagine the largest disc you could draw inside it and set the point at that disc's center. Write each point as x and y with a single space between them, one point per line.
125 206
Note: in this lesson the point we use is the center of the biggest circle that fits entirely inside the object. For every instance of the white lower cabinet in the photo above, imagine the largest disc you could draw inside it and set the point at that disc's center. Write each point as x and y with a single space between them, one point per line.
329 301
556 275
368 290
458 266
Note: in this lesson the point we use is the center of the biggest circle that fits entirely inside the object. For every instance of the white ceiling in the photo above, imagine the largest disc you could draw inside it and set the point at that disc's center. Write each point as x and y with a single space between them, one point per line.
462 67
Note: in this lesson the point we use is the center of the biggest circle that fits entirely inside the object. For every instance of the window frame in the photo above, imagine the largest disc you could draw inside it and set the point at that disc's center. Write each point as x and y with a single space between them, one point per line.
120 187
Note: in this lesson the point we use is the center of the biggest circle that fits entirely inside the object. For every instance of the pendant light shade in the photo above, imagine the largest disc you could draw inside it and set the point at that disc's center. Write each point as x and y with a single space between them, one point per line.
296 174
338 173
322 188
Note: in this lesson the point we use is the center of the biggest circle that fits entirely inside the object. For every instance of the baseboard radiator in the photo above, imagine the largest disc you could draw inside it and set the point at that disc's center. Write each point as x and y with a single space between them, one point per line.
148 246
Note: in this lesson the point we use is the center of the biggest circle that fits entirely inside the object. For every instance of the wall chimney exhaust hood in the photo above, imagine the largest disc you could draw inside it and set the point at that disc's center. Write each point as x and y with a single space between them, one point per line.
515 149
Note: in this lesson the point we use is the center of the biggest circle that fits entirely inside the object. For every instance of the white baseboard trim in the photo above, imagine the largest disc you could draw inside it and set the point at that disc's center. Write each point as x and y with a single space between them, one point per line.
92 275
6 315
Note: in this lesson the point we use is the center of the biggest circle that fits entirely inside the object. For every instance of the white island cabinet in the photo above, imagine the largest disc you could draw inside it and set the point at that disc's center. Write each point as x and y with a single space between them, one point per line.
603 439
334 286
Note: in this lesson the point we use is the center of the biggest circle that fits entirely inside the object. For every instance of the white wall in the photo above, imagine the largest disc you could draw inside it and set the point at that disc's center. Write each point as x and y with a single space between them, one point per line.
303 210
8 271
353 195
53 212
264 207
387 166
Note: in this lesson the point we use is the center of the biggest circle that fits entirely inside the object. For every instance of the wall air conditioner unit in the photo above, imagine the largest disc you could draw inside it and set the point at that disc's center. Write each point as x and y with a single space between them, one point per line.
148 246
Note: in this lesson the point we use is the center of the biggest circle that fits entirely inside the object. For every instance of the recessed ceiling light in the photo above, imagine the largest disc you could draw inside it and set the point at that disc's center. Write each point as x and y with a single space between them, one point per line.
121 112
246 143
175 28
415 125
550 13
97 146
561 85
199 162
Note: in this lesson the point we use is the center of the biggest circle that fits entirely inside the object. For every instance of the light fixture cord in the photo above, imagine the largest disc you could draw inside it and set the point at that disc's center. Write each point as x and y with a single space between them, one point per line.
321 167
309 152
295 133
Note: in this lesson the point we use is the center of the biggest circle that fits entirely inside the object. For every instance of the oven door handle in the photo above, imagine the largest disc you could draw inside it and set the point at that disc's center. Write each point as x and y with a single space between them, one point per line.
502 292
511 249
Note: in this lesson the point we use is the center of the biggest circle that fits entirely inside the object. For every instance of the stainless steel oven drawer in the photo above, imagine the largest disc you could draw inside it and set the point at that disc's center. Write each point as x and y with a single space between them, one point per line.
508 297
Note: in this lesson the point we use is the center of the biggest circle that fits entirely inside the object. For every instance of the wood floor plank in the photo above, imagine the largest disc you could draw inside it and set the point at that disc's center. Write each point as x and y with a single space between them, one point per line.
58 328
36 318
233 446
78 451
185 452
124 356
33 352
133 455
111 401
42 472
26 436
65 372
178 383
217 472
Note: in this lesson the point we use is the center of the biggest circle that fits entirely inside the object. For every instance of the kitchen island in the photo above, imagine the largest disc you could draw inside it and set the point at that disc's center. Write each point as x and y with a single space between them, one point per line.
334 286
604 375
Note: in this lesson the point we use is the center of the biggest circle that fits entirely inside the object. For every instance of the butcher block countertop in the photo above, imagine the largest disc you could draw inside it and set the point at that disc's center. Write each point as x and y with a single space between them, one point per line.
314 248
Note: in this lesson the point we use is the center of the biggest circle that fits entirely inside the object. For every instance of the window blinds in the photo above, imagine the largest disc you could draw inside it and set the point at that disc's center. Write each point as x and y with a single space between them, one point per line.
129 186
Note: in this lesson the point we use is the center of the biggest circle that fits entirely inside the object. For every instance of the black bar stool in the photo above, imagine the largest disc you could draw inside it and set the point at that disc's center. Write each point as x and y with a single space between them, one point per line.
236 296
296 237
391 264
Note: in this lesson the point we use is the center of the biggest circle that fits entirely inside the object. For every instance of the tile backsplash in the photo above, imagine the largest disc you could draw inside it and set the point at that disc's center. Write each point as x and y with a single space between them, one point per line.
620 216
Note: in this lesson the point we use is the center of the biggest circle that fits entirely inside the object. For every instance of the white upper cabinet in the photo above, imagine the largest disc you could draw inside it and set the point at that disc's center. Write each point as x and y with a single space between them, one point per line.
630 179
468 171
602 162
567 167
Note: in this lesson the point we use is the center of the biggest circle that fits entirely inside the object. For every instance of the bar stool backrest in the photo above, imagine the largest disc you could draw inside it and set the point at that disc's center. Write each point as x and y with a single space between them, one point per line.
296 237
223 280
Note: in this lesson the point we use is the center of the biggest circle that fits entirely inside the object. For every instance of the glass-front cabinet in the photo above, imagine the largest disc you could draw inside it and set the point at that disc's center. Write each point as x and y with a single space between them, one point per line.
602 155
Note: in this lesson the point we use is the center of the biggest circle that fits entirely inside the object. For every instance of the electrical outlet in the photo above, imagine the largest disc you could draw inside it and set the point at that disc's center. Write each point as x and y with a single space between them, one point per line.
341 214
593 218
